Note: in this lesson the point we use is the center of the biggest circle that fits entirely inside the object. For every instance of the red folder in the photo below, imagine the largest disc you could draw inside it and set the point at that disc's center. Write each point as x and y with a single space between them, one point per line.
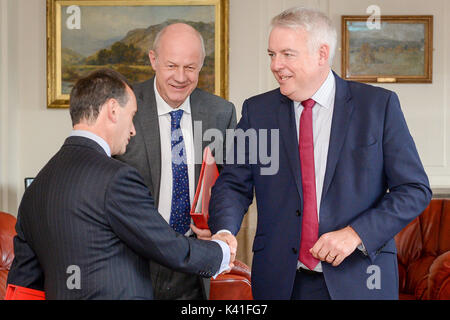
21 293
208 176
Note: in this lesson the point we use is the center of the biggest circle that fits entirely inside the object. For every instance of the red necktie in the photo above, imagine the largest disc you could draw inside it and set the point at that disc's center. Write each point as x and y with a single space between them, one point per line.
310 225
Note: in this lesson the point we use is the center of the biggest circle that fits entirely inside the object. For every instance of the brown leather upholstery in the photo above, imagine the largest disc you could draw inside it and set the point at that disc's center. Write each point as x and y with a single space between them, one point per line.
424 256
235 285
7 233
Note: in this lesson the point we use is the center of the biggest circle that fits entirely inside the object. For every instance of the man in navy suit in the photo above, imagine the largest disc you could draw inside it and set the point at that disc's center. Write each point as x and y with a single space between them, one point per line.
349 176
87 225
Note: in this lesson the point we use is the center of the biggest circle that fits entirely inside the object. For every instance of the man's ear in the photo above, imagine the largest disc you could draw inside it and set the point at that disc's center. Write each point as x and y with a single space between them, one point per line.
152 57
111 110
324 54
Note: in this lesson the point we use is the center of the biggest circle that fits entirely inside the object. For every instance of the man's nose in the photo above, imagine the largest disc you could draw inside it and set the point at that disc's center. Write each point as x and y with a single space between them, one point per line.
180 75
277 63
133 130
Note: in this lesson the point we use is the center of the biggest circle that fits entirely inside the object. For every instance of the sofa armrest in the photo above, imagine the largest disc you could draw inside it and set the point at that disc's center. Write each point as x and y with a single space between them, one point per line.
241 269
235 285
439 278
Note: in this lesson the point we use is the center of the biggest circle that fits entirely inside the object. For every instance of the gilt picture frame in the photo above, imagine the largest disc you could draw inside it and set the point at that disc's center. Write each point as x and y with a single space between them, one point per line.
397 49
85 35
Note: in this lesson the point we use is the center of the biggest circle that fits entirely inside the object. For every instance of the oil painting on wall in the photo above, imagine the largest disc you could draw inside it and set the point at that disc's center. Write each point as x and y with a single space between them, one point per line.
398 50
87 35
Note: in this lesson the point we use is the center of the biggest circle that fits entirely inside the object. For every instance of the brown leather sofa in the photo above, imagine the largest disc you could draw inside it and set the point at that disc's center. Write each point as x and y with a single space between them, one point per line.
424 254
7 233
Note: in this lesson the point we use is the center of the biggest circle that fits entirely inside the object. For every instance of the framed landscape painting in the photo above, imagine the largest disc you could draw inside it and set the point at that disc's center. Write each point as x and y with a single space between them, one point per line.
398 49
86 35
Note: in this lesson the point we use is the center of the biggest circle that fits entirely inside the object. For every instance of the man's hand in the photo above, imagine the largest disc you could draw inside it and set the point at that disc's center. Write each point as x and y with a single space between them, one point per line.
228 238
232 243
334 247
203 234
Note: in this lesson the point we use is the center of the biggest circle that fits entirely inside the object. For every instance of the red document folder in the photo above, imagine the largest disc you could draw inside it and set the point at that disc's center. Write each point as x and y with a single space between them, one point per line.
208 176
21 293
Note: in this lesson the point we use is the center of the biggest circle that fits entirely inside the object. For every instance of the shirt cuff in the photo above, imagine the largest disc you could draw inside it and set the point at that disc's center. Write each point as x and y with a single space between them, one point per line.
225 265
224 231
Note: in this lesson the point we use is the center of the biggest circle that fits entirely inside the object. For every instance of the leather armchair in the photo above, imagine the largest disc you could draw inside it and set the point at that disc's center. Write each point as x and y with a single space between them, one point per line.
235 285
7 233
424 254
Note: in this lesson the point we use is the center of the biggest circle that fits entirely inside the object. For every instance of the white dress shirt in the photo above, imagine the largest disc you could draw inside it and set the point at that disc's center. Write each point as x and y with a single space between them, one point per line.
164 119
322 115
165 188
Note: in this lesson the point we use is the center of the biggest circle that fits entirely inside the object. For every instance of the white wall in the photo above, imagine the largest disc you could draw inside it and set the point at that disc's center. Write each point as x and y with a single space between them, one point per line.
9 169
30 133
426 106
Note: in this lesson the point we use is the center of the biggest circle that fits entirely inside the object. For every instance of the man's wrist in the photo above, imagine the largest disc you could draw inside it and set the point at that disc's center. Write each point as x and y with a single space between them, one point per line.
224 231
225 264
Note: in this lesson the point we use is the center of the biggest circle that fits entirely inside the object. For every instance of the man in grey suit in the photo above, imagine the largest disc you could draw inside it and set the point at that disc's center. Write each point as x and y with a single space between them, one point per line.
177 57
87 226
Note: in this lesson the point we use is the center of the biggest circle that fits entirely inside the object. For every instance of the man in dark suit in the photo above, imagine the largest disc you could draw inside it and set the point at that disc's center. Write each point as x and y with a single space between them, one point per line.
177 57
349 176
87 226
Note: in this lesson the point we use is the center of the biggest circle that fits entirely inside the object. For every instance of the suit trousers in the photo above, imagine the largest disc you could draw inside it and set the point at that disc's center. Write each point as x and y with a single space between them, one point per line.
309 285
173 285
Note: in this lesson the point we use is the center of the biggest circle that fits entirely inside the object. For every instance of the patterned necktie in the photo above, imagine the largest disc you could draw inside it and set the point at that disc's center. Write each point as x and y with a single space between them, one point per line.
310 225
179 215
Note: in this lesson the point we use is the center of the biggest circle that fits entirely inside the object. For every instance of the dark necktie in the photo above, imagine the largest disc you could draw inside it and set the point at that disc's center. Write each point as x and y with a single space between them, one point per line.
310 225
179 215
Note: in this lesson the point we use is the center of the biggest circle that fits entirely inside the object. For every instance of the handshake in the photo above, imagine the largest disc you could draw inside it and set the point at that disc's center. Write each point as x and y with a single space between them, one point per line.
228 238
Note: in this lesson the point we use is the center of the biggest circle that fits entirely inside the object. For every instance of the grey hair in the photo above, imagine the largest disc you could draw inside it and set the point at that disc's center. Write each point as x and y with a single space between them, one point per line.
318 26
159 35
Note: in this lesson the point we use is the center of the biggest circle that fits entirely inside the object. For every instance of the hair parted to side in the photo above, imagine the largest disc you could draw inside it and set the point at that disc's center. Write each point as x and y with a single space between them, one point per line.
319 27
91 92
159 35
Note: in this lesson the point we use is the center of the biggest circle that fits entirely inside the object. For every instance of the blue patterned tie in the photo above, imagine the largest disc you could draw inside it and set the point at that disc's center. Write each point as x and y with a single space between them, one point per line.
180 218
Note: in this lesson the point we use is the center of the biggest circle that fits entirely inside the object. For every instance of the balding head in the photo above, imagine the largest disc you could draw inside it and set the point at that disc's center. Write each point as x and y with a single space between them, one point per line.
180 30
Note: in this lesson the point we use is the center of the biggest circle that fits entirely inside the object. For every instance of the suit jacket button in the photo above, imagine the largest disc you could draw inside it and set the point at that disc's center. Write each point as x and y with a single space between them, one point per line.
294 250
298 213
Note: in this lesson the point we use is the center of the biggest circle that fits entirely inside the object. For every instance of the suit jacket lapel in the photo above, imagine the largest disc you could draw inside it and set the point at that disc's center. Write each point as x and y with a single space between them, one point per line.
288 134
343 109
200 113
149 120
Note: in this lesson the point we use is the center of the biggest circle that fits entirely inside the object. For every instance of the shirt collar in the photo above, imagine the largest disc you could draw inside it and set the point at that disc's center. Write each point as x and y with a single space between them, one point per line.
92 136
164 108
325 95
